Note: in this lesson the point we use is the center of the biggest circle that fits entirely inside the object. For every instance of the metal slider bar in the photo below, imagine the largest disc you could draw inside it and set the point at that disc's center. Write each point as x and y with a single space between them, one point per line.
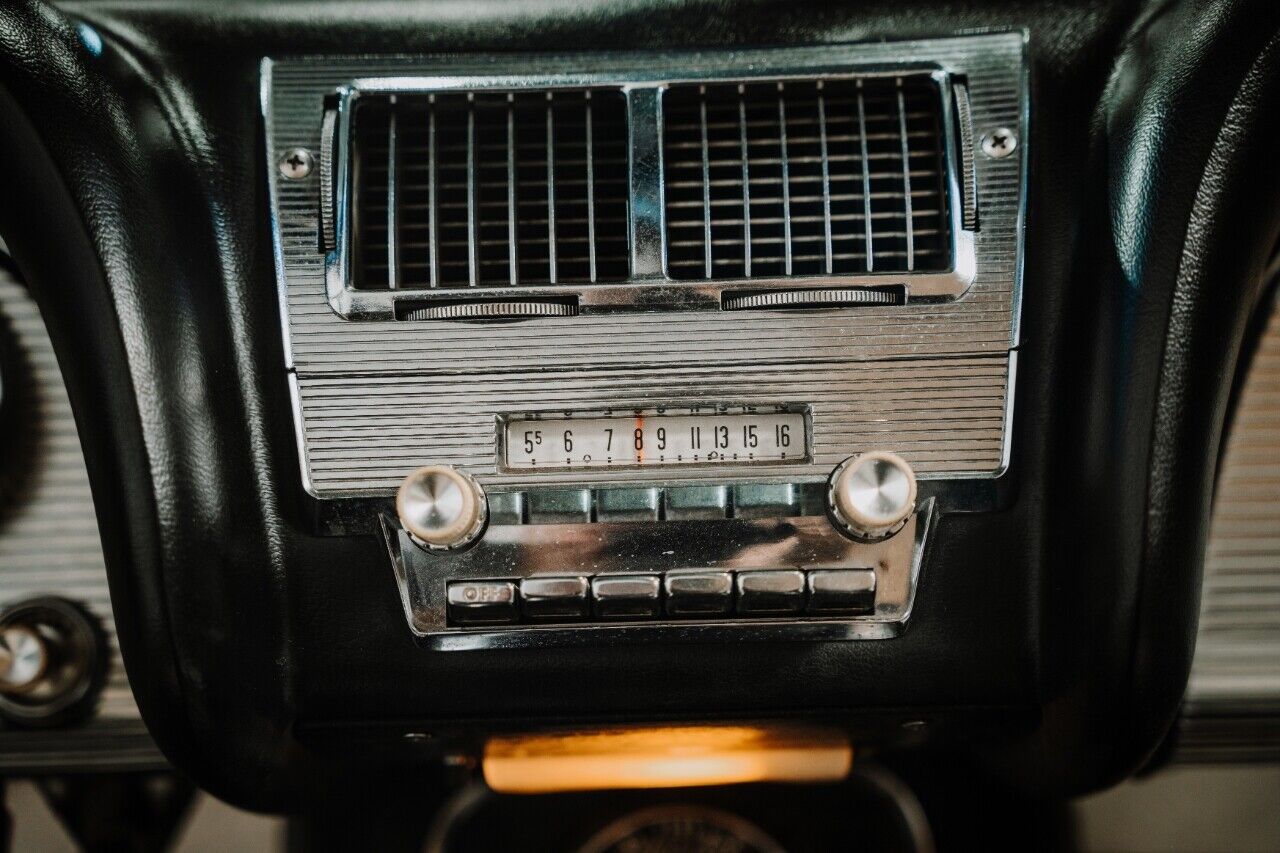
513 260
646 209
906 176
866 176
746 181
473 249
551 191
591 192
786 175
706 185
393 217
433 180
826 175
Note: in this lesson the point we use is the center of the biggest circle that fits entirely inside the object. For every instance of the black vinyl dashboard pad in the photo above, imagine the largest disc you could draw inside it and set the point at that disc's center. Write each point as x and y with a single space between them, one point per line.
451 370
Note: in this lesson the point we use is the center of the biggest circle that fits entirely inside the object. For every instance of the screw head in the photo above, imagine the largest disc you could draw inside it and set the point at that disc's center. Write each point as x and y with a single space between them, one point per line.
296 163
999 143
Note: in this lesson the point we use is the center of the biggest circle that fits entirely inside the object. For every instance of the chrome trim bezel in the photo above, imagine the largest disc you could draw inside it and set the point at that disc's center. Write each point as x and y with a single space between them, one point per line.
674 407
277 236
650 287
421 579
1024 165
295 91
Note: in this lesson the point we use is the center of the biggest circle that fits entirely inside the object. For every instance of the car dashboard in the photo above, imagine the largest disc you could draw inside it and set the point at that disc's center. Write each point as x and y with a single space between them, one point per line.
403 395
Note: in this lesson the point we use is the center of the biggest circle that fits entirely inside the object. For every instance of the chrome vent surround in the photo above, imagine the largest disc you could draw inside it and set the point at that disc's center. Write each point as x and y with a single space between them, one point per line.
489 189
834 176
628 193
921 361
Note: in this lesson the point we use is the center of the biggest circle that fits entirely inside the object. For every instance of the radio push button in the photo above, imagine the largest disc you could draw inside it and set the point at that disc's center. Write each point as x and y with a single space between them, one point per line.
698 593
842 591
554 599
770 592
626 596
482 602
560 506
695 503
766 500
627 505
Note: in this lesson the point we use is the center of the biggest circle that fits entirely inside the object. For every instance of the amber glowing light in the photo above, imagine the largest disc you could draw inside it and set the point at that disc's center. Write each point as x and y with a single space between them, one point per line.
665 757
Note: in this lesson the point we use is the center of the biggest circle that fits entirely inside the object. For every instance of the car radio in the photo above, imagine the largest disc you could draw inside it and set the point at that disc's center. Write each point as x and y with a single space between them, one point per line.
643 354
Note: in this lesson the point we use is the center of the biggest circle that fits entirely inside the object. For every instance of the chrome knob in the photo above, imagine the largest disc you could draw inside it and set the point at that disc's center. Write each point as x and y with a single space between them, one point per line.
442 508
53 662
24 658
872 495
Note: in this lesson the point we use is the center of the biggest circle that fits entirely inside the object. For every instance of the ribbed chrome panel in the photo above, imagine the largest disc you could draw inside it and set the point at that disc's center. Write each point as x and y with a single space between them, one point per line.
806 177
1237 662
1215 736
49 542
378 396
944 416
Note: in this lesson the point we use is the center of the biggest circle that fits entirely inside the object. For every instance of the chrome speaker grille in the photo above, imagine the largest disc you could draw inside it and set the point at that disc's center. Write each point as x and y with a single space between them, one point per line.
489 189
1233 697
49 545
805 177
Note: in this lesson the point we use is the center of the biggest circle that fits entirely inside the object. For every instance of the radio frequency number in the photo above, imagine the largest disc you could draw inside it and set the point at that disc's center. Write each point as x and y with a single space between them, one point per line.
666 439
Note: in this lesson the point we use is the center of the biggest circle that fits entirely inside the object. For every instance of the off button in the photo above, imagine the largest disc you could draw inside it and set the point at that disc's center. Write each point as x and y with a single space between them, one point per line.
482 602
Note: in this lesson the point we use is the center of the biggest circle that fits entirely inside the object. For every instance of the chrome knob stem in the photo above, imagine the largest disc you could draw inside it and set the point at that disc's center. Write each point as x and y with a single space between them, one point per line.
442 508
870 496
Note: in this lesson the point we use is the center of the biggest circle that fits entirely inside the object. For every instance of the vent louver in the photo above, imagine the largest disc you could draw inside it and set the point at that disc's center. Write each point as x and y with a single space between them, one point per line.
832 176
489 189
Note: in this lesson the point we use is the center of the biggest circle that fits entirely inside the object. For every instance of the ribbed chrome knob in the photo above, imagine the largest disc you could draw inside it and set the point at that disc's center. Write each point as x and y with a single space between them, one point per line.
53 662
24 657
441 507
872 495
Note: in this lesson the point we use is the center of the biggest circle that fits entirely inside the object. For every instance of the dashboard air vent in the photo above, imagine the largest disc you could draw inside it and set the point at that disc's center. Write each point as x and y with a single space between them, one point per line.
489 189
831 176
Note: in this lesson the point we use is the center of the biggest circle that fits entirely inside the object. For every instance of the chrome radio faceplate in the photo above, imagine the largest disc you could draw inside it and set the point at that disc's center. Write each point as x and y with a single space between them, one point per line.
761 575
925 368
622 325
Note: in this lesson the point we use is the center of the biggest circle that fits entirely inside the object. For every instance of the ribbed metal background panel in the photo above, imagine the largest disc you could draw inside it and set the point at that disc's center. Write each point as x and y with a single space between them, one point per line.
1237 663
943 415
783 354
49 544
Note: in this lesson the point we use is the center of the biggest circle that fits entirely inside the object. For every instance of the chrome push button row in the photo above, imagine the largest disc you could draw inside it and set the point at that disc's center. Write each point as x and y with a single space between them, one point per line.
678 594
